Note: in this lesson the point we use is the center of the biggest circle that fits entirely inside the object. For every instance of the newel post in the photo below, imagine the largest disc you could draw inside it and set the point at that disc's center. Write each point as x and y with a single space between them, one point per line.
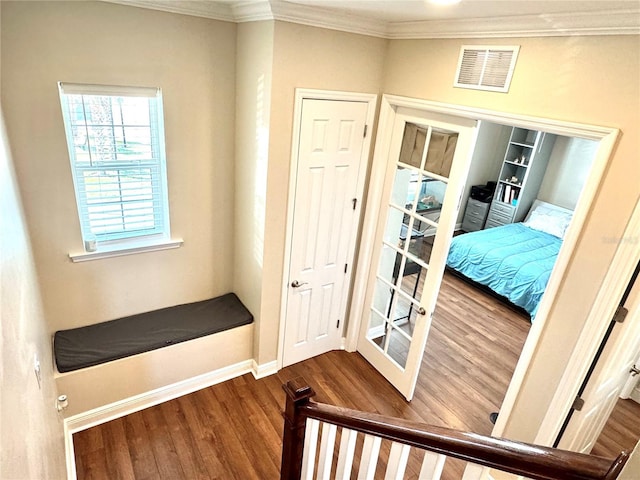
298 394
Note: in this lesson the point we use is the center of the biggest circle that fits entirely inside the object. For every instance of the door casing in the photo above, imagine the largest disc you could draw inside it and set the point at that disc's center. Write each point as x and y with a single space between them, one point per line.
300 96
605 136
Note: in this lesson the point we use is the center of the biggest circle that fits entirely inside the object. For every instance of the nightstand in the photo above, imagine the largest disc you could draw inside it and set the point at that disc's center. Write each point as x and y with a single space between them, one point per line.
475 215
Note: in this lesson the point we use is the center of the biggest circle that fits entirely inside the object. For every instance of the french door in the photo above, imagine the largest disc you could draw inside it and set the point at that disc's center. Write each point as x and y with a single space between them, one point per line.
427 164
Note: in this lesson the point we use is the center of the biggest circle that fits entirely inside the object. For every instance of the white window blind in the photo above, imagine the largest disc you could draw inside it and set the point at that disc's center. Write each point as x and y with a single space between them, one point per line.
115 137
486 68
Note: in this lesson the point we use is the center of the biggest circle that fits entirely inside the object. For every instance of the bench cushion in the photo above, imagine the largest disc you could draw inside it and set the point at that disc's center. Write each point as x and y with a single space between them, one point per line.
95 344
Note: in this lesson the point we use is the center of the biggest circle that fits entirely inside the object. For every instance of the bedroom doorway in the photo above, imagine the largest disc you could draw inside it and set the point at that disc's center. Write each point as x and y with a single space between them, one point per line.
497 270
497 274
603 137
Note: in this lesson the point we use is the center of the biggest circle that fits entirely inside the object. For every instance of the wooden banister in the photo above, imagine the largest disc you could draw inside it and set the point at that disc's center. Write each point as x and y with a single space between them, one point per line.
298 395
532 461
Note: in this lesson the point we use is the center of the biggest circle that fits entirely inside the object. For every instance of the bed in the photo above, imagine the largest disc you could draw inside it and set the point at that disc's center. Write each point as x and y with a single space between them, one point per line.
514 260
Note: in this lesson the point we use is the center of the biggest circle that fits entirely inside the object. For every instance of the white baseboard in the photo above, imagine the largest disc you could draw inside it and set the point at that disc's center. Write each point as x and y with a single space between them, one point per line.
118 409
264 370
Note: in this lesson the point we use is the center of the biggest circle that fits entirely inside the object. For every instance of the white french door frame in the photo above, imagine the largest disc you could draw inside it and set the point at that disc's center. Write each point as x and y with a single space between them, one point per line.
404 376
302 94
605 136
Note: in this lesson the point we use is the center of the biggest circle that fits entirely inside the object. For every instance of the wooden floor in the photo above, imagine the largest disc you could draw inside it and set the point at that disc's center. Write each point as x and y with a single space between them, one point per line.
233 430
622 430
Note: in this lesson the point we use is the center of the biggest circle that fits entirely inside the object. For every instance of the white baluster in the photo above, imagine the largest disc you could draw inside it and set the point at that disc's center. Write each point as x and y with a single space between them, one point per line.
369 459
432 466
347 451
398 457
326 451
310 445
476 472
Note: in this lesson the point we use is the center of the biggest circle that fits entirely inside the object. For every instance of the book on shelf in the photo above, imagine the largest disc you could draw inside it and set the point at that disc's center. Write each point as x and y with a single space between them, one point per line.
507 194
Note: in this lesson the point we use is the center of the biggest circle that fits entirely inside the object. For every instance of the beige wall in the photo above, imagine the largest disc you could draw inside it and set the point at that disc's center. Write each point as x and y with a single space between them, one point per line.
593 80
304 57
31 435
254 68
193 61
569 167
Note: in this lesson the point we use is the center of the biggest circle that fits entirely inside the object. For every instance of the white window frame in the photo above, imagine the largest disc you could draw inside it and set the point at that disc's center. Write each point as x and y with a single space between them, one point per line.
98 242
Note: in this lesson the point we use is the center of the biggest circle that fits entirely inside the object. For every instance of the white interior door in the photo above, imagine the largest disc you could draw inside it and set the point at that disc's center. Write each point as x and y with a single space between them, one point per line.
631 388
331 161
427 164
607 381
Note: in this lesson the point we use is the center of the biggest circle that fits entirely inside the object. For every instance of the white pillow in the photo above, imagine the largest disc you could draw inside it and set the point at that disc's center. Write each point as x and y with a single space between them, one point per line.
549 221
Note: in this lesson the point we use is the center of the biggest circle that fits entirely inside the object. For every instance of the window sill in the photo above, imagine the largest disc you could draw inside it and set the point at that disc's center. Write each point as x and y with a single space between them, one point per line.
130 248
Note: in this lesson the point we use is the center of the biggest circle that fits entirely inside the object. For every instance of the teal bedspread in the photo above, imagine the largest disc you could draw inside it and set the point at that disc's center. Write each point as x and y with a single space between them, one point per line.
513 260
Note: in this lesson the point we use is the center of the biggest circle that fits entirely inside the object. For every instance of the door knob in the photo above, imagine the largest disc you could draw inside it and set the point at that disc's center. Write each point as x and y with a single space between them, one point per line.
296 284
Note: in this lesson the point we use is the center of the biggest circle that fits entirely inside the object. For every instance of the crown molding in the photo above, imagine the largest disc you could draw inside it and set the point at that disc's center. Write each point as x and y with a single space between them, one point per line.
325 18
619 22
194 8
252 11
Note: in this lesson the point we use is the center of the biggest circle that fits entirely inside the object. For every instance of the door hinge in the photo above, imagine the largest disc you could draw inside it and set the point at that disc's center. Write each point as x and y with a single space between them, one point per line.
578 403
620 315
355 202
338 324
366 127
345 268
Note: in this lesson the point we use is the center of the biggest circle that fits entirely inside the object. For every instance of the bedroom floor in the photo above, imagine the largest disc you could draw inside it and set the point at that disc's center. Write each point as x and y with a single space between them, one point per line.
461 311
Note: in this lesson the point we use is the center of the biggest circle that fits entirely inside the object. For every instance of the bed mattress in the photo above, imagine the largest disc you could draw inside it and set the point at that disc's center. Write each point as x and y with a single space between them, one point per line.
513 260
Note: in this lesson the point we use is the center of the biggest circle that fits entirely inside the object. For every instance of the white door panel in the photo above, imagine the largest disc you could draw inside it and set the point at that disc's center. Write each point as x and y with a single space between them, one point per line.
594 418
330 162
608 379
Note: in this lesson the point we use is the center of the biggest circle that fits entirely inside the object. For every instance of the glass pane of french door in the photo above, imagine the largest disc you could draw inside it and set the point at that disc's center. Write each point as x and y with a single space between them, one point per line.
417 193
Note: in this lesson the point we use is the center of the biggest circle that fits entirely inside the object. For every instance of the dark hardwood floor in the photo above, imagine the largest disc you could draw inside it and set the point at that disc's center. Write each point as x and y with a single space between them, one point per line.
233 430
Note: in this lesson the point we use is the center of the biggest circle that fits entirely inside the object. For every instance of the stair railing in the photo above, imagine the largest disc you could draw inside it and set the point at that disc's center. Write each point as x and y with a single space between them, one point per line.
301 459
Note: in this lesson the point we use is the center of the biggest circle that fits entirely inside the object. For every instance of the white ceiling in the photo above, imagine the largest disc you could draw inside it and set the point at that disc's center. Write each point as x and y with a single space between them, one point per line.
423 18
420 10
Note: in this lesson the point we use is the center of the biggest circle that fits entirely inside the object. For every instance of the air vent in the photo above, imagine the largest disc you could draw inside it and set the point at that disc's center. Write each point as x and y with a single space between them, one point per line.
486 68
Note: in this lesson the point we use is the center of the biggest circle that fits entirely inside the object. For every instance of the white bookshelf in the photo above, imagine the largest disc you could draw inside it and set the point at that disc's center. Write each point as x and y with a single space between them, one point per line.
523 168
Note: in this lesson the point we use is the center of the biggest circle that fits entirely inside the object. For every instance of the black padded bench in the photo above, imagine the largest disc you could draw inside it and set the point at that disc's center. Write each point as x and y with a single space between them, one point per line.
100 343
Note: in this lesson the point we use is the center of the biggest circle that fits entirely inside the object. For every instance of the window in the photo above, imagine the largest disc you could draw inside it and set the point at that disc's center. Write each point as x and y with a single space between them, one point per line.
115 137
